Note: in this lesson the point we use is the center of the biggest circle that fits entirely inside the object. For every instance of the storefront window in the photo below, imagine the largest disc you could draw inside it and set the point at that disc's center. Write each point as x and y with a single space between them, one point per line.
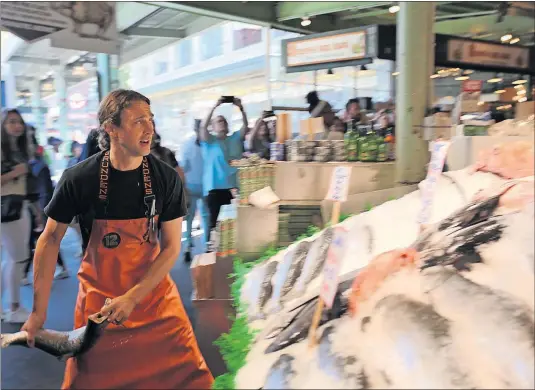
212 43
183 53
246 37
160 68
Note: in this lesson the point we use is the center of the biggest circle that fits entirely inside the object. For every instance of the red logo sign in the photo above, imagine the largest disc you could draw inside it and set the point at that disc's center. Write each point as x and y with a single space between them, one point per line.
472 86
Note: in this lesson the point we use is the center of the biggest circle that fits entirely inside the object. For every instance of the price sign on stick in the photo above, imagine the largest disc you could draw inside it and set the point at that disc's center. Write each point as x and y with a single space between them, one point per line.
329 286
439 150
339 184
332 266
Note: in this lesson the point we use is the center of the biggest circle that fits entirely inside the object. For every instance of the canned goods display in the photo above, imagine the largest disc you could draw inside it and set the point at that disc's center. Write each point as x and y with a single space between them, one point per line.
277 151
253 175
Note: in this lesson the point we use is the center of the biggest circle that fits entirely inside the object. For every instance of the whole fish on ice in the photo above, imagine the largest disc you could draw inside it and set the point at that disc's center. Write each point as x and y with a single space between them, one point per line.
494 331
288 270
280 374
347 371
62 344
409 347
297 329
315 259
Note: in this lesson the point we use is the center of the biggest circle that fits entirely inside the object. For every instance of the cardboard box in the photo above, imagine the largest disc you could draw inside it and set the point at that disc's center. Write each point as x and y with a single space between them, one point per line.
284 127
524 110
438 125
311 127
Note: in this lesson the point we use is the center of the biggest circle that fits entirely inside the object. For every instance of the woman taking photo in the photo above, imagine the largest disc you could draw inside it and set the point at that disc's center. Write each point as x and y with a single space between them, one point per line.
15 231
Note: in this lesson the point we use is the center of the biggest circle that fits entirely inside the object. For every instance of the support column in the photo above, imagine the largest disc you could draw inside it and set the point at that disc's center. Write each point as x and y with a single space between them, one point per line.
413 46
37 107
61 93
267 34
104 75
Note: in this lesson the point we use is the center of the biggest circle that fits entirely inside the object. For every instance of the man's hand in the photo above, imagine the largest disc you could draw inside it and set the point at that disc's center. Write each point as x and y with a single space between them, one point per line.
219 101
119 309
237 102
20 170
34 323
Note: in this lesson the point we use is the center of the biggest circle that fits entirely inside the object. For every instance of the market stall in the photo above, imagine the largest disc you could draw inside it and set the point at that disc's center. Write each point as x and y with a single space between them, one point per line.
417 306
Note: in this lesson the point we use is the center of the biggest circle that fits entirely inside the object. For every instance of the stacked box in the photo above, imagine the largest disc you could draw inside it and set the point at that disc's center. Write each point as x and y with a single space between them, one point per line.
322 153
300 150
338 150
231 234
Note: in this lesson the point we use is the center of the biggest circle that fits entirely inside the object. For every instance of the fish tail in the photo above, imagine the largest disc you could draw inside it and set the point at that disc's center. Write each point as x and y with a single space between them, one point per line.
12 338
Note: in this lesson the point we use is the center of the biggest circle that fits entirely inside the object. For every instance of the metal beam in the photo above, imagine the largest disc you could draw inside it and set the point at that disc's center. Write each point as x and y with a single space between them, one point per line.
287 10
35 60
360 15
154 32
258 13
467 15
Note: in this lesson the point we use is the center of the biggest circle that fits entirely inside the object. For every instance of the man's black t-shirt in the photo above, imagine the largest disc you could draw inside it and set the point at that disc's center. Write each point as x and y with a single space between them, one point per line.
76 194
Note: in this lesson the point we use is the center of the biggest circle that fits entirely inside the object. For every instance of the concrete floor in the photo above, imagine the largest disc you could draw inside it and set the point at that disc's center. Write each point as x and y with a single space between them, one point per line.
24 368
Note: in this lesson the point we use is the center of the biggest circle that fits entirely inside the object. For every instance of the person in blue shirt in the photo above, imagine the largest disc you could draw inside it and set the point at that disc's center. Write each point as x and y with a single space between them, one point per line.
192 164
218 150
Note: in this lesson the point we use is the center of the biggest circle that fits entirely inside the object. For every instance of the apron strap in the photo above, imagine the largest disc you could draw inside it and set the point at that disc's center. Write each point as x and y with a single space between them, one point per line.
149 199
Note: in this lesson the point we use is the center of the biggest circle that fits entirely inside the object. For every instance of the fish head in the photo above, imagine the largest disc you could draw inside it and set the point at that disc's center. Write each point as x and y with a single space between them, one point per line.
99 319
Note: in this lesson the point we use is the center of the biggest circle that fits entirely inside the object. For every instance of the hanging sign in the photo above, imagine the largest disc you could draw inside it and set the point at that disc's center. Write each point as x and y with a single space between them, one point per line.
328 50
473 52
78 25
472 86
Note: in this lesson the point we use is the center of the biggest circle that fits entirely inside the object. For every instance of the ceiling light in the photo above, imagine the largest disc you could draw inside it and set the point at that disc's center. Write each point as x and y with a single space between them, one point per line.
393 9
494 80
462 78
395 74
480 103
305 22
434 76
522 99
468 71
514 40
500 91
520 81
506 37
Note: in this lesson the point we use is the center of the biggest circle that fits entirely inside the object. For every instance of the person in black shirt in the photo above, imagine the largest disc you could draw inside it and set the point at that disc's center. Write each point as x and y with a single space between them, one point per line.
125 199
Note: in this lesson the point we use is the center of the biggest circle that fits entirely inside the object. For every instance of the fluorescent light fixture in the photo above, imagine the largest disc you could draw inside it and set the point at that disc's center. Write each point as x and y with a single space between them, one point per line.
494 80
461 78
522 99
395 74
394 9
520 81
468 71
434 76
500 91
305 22
514 40
506 37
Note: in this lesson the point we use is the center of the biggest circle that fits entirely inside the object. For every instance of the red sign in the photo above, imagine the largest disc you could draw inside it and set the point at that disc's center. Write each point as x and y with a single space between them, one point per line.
471 86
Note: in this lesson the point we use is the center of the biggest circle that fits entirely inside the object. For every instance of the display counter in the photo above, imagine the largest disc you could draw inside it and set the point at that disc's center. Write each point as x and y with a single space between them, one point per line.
301 187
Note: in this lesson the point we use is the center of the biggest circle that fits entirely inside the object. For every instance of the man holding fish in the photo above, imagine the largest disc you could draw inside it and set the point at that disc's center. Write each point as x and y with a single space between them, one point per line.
130 206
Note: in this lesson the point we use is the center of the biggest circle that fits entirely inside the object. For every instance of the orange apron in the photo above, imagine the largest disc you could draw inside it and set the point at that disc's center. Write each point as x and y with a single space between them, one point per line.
156 348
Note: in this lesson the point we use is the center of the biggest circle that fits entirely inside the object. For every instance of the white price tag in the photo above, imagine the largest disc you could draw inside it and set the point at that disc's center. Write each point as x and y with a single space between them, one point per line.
339 184
439 150
332 266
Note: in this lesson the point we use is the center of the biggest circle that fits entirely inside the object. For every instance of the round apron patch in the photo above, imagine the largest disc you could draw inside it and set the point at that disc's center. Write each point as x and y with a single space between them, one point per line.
111 240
